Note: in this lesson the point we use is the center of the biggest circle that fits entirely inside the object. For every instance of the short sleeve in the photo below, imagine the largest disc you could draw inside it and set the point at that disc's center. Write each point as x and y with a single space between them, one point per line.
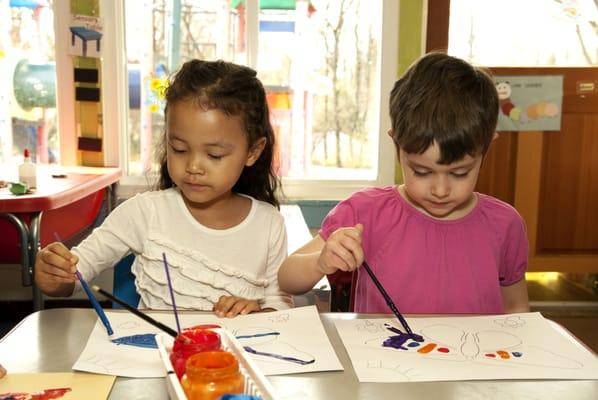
342 215
516 247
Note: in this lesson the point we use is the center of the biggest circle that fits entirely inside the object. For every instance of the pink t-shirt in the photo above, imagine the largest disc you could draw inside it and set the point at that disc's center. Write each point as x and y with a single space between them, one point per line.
429 265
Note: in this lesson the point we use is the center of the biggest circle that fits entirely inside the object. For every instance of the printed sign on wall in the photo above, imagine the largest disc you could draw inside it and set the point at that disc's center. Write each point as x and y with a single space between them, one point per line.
529 103
86 36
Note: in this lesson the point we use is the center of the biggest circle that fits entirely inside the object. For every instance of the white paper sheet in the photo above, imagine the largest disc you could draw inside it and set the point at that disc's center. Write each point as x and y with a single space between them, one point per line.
515 346
296 334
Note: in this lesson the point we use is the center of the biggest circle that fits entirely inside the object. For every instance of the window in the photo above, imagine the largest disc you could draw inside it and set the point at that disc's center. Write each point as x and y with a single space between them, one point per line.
323 72
513 32
28 94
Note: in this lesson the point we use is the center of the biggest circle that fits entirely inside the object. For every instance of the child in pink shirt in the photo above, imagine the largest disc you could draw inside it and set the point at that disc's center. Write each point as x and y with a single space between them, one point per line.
434 244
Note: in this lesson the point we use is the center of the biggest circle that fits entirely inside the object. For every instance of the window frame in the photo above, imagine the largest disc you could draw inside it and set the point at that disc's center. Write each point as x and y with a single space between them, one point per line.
115 111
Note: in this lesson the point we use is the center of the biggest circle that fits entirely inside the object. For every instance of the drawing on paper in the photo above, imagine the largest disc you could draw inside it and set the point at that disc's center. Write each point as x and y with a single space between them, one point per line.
392 371
145 340
450 343
264 342
512 321
517 346
47 394
279 341
127 325
281 318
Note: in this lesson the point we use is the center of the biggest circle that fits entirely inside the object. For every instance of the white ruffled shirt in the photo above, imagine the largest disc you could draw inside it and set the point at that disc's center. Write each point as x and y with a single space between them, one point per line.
204 263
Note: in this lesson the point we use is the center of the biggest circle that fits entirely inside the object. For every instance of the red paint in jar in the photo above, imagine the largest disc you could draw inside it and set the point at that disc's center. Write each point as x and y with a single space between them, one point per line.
189 342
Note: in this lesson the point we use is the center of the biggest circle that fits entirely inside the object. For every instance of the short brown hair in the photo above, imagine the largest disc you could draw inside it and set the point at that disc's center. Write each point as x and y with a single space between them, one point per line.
446 100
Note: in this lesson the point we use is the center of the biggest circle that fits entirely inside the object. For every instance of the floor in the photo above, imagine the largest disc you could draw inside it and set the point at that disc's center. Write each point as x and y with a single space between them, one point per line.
570 300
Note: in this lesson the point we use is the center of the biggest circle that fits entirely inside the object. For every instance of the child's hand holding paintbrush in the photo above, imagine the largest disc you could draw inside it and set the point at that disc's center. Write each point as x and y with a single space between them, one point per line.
55 268
56 273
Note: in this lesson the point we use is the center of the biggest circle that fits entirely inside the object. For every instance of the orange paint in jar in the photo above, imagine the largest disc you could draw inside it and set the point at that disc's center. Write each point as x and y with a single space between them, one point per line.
211 374
189 342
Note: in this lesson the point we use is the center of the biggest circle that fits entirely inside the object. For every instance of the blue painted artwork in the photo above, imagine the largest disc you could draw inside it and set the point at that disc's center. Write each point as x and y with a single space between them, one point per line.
145 340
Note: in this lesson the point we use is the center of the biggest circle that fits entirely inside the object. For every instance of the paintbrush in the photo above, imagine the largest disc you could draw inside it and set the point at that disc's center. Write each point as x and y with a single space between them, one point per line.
135 311
391 304
92 299
176 315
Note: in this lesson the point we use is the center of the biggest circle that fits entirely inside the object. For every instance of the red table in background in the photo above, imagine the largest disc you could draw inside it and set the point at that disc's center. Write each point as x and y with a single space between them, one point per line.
65 205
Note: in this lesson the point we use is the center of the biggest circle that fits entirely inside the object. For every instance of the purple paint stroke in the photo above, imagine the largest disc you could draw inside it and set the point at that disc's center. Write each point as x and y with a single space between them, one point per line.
145 340
397 341
258 335
251 350
176 314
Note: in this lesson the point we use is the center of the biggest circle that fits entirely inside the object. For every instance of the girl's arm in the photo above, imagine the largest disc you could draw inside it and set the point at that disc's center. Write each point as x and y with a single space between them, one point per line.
300 272
514 297
276 298
124 230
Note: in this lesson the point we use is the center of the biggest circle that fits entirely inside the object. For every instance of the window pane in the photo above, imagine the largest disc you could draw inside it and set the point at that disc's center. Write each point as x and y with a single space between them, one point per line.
525 33
28 92
319 67
206 29
318 64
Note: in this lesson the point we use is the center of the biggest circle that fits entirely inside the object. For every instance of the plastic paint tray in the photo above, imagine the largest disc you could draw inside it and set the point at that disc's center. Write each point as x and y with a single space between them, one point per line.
256 383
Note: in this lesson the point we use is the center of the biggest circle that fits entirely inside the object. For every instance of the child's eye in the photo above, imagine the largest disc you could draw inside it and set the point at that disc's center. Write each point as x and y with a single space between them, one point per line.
460 174
178 150
420 173
215 156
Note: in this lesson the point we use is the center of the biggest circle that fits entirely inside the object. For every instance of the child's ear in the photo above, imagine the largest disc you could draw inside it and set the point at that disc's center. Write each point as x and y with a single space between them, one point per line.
255 152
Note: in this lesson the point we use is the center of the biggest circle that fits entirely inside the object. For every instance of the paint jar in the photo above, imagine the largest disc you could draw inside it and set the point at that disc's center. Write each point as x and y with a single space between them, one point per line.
189 342
212 374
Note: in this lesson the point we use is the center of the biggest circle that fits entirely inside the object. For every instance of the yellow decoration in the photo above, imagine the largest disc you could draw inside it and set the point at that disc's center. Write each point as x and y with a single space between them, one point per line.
515 113
155 84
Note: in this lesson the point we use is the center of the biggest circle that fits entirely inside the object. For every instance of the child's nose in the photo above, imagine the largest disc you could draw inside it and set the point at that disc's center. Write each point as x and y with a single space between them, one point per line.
441 187
195 166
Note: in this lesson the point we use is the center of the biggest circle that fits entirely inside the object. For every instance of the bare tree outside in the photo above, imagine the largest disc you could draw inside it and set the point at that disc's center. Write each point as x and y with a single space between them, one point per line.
344 111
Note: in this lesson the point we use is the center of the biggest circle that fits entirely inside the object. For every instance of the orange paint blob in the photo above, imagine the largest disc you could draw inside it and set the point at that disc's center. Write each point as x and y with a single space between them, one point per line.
503 354
427 348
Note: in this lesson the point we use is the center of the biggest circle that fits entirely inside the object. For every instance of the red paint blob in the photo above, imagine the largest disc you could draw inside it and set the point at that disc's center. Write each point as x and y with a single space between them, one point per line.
47 394
490 355
443 350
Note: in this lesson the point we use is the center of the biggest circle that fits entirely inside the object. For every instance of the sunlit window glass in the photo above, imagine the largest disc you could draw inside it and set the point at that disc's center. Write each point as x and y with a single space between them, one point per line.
27 94
317 60
525 33
161 35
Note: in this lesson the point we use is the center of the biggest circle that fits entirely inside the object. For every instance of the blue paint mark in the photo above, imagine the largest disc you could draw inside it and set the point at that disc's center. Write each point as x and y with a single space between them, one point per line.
258 335
146 340
278 356
517 353
413 344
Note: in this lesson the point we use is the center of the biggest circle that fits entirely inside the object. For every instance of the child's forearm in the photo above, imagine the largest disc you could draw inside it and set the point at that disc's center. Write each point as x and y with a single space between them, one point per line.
299 273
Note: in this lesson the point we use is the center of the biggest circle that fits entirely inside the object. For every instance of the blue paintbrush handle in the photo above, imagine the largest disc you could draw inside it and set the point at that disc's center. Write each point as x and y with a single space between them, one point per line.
91 297
95 304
